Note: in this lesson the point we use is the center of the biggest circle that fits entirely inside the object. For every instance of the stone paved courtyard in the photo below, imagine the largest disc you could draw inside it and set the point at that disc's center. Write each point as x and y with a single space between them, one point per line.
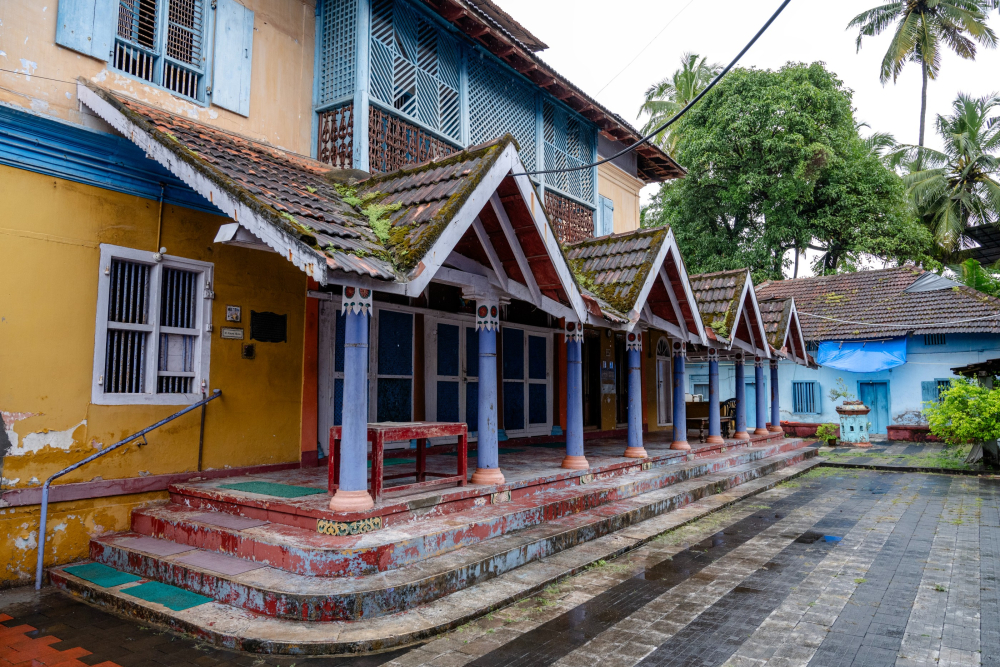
837 567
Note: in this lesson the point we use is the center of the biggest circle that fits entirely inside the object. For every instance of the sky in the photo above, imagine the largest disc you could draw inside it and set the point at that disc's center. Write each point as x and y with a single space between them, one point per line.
590 42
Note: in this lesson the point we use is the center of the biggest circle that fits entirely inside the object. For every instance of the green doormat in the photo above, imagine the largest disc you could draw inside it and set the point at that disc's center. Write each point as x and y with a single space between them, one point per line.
272 489
170 597
102 575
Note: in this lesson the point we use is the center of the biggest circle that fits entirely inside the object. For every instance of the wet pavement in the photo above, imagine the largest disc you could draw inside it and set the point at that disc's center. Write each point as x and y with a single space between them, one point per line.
838 567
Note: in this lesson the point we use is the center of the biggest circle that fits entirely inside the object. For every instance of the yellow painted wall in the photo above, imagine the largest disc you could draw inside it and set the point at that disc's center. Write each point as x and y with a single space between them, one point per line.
623 190
50 231
281 87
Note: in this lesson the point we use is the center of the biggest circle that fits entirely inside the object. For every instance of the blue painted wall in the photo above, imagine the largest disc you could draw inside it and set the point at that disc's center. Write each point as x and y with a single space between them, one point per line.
924 363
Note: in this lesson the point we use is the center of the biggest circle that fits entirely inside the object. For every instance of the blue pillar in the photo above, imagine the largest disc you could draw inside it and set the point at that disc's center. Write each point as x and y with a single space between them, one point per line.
487 447
714 420
574 459
758 378
633 344
775 426
352 491
680 407
741 400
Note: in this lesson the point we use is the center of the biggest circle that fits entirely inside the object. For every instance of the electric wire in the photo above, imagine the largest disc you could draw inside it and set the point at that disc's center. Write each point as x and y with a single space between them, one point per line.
675 117
884 324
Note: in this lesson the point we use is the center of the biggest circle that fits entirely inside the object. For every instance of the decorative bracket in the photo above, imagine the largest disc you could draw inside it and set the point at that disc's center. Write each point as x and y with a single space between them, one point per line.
680 348
573 332
633 341
487 315
357 300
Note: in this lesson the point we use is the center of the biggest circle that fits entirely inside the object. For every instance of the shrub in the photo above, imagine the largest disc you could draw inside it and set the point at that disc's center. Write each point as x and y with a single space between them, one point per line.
826 432
965 413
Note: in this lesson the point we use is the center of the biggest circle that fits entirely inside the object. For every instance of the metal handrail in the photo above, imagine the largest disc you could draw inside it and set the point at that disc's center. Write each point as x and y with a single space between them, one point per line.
45 487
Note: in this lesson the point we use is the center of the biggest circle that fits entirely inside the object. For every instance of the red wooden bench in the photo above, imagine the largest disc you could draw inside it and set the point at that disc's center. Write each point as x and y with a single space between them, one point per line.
381 433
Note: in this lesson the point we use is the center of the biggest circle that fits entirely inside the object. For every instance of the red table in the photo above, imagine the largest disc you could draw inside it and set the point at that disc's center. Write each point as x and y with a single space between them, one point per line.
379 434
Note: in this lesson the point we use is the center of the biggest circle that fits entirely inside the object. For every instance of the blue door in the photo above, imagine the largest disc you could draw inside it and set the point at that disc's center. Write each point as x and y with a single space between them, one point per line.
875 395
751 405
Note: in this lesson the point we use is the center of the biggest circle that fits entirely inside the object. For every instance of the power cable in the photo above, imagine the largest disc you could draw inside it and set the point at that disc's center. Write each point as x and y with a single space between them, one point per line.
643 49
884 325
676 116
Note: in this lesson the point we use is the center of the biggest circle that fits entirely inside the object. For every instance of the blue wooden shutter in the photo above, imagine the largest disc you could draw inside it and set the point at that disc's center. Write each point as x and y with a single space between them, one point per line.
233 57
609 215
87 26
928 391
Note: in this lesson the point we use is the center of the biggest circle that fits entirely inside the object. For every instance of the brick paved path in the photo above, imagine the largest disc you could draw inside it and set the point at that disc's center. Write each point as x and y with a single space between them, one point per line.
839 567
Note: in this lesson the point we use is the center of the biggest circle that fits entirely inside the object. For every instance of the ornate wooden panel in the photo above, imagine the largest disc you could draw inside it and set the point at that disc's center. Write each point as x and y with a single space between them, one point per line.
393 143
336 129
573 222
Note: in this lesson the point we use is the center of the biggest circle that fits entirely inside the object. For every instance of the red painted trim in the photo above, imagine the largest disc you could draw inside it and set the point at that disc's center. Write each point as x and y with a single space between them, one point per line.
310 376
128 485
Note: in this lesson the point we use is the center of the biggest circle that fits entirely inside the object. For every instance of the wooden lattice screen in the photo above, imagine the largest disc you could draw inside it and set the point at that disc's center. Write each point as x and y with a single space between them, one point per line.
394 143
573 222
336 130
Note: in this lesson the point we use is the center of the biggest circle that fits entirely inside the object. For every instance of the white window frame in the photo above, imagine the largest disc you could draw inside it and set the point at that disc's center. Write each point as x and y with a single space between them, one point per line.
431 377
203 325
546 334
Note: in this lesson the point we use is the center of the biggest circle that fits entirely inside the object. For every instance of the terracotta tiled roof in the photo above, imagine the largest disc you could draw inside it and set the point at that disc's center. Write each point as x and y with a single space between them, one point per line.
874 304
309 200
718 295
614 268
775 314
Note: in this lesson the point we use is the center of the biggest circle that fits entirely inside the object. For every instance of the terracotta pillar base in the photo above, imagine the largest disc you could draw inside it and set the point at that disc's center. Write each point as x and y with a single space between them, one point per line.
760 431
680 444
715 440
635 453
351 501
774 429
487 476
742 435
575 463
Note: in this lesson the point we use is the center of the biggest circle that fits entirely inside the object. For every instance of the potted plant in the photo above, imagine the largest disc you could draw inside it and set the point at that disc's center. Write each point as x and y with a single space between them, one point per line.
853 416
827 432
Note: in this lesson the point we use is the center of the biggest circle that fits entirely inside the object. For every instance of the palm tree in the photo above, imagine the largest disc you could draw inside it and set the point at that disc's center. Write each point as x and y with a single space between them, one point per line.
666 98
921 27
956 188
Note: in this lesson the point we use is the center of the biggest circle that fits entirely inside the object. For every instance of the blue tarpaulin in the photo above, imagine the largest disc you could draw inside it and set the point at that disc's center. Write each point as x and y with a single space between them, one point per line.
862 356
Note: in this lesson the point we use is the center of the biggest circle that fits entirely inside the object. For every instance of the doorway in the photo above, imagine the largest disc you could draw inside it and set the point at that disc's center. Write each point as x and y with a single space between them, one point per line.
591 379
621 384
875 395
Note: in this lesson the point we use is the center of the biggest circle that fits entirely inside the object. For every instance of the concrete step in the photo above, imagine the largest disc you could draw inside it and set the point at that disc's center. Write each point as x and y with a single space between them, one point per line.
308 552
244 629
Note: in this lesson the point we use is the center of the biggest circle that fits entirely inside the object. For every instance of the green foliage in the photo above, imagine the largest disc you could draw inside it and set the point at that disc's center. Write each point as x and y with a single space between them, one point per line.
775 162
826 431
966 413
840 391
719 326
972 274
957 187
922 27
665 98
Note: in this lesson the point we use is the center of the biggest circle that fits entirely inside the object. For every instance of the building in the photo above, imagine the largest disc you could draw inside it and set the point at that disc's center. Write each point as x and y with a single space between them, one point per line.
185 170
891 337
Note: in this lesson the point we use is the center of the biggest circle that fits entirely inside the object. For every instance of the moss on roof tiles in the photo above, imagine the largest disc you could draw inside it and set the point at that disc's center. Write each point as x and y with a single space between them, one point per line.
623 293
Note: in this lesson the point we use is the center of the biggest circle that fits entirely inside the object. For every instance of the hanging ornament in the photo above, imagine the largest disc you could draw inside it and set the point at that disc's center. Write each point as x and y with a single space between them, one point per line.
357 300
633 341
487 315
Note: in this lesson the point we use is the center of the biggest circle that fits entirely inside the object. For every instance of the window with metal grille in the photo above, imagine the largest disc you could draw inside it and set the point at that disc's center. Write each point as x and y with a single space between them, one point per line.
161 41
415 68
568 144
934 339
805 397
151 345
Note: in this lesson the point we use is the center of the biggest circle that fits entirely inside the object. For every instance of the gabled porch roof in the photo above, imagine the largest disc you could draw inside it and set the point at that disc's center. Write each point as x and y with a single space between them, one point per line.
728 303
465 220
784 333
637 276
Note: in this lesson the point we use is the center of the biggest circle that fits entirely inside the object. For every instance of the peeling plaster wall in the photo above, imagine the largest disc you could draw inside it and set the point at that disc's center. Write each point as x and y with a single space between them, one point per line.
71 527
280 90
50 231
